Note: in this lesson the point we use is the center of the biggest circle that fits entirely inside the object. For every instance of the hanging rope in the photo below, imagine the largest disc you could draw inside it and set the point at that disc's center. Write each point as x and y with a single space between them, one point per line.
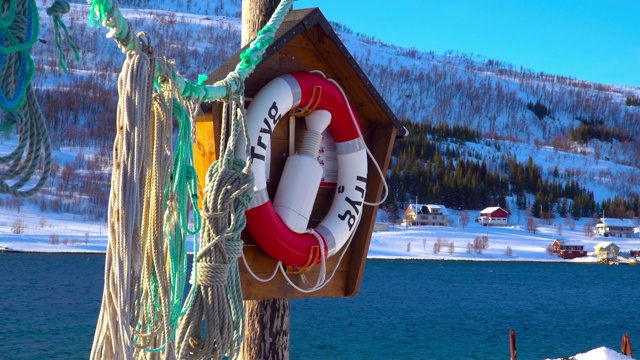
152 316
19 28
217 298
107 13
164 308
34 149
153 311
57 9
157 293
114 336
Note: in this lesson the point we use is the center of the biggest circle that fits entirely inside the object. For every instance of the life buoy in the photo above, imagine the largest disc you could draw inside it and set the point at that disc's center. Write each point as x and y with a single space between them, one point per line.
300 248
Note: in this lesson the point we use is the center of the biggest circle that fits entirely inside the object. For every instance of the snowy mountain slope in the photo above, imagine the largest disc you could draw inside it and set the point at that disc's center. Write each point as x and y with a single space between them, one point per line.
456 89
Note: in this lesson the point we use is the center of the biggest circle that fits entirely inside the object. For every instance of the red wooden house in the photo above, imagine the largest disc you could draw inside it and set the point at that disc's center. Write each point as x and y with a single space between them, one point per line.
494 216
569 249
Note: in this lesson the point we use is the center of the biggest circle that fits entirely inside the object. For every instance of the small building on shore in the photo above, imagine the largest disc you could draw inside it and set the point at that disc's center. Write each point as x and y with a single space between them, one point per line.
568 249
606 251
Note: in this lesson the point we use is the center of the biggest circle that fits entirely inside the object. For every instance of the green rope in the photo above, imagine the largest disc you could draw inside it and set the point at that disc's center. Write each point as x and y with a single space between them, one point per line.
98 13
185 186
11 13
15 55
59 8
19 35
252 56
185 176
106 12
19 28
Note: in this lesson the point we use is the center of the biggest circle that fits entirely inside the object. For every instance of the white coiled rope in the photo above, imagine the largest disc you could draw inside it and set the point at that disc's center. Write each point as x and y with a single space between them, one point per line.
114 336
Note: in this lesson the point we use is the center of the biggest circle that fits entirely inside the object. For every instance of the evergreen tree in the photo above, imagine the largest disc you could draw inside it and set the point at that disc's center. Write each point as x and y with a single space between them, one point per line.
563 208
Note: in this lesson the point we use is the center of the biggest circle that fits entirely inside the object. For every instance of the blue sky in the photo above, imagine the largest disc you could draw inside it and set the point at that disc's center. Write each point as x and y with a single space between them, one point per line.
593 40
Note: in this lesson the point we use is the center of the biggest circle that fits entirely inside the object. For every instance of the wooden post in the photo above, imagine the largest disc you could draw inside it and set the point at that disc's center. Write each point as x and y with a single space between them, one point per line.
512 344
626 346
267 334
255 14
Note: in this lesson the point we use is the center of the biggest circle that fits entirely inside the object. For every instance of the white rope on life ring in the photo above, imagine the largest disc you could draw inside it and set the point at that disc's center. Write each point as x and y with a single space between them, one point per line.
279 228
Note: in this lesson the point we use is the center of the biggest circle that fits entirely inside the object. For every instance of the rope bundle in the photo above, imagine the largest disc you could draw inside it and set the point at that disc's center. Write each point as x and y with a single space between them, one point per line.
217 298
164 286
114 336
144 272
151 188
19 28
153 315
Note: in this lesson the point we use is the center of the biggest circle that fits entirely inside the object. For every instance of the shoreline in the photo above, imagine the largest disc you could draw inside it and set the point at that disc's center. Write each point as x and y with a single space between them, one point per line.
559 261
18 251
375 258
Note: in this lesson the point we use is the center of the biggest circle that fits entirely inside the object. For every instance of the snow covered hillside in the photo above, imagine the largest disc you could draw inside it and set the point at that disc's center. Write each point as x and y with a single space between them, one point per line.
518 111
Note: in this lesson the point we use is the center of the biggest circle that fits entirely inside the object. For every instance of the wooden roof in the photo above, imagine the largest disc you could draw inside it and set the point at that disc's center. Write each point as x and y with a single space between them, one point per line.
492 209
306 41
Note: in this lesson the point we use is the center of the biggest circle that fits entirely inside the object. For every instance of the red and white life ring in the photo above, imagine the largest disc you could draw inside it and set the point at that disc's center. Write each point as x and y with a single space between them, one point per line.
300 248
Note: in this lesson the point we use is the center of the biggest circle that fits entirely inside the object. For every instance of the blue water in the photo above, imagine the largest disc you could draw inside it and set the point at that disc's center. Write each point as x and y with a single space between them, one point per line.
49 304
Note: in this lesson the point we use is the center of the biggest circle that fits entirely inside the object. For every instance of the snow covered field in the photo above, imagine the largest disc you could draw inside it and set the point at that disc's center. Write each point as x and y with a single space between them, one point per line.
48 232
418 242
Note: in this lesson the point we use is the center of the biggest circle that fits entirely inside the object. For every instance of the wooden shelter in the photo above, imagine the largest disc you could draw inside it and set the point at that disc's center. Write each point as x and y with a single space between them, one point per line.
306 42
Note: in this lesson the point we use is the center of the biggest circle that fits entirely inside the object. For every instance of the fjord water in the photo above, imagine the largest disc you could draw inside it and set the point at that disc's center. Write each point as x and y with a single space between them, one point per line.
464 310
49 305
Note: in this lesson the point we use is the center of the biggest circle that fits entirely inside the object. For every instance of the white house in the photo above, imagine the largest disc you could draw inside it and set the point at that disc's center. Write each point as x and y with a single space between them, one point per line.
426 214
615 227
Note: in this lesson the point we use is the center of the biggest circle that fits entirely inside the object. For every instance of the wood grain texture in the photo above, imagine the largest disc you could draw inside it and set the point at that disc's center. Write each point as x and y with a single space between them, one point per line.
267 321
267 336
255 14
